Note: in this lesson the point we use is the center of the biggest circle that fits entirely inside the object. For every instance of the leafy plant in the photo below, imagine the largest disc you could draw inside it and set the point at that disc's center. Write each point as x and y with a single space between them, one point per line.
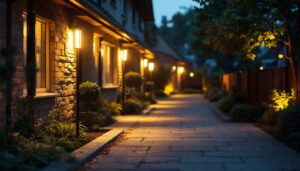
149 86
133 80
245 113
225 104
89 95
161 77
132 106
150 97
281 99
114 108
270 117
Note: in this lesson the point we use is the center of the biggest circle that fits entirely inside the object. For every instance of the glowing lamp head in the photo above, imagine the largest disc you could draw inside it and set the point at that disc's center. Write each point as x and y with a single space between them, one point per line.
280 56
77 39
192 74
180 70
174 68
145 61
261 68
151 66
124 55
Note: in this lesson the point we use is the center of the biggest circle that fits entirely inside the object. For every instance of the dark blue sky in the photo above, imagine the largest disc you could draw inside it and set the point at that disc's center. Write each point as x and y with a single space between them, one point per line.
169 7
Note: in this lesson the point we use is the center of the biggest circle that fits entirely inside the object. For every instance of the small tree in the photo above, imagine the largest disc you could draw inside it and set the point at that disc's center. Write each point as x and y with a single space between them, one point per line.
89 95
133 80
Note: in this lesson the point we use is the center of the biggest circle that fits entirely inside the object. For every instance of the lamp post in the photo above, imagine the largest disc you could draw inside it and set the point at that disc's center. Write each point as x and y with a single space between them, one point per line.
77 47
151 68
180 71
145 64
123 59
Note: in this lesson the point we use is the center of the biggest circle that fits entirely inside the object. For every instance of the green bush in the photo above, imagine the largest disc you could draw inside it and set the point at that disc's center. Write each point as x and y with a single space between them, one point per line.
237 95
245 113
132 106
89 95
288 126
216 94
133 80
114 108
225 104
270 117
103 119
150 97
149 86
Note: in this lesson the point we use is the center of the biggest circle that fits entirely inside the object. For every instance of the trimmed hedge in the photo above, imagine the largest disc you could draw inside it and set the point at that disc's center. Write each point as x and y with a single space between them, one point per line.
225 104
245 113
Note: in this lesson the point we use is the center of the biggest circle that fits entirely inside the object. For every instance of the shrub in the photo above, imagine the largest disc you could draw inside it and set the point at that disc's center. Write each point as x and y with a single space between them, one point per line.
225 104
245 113
288 126
270 117
236 95
103 119
281 99
133 80
169 89
150 97
132 106
149 86
216 94
89 95
114 108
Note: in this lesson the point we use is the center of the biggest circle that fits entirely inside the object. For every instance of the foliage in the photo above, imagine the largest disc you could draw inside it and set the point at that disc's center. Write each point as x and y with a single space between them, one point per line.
103 118
149 86
114 108
89 95
225 104
270 117
288 126
281 99
24 121
211 82
132 106
245 113
169 88
236 94
215 94
240 26
150 97
161 77
133 80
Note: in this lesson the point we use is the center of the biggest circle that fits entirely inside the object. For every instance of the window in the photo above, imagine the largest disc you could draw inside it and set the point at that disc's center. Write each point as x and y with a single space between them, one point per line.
107 64
41 52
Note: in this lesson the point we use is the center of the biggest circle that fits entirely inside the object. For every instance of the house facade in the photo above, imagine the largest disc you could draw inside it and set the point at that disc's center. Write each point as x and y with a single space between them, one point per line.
167 56
108 29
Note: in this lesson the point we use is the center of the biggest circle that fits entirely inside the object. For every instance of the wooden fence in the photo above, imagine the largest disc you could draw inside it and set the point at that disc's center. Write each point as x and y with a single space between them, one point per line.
258 85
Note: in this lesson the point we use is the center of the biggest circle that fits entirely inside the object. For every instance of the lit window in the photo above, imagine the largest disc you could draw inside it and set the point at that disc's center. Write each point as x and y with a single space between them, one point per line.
41 53
107 64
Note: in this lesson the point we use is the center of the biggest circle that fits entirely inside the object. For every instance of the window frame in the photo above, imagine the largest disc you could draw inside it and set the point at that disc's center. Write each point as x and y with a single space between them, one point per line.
112 61
45 89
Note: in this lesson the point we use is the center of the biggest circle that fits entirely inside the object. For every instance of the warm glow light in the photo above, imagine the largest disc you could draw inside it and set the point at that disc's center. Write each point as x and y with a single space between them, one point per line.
169 88
180 69
174 68
280 56
261 68
124 55
192 74
151 66
145 61
70 40
77 38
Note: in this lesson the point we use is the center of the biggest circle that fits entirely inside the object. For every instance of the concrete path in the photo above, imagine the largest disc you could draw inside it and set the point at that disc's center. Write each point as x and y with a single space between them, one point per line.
184 134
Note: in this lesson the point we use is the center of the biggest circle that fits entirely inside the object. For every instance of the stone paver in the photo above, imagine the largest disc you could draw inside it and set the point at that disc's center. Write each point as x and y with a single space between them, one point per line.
184 134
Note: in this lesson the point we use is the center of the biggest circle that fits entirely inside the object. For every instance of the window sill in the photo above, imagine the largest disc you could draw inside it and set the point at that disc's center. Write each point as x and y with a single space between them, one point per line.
110 87
44 95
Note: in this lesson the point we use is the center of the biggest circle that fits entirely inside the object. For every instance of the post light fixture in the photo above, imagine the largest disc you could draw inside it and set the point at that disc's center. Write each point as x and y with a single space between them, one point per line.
145 62
192 74
280 56
123 57
181 70
77 46
173 68
77 39
261 68
151 66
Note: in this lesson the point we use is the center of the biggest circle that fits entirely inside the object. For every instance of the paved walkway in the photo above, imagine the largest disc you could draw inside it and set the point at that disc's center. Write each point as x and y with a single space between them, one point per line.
184 134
